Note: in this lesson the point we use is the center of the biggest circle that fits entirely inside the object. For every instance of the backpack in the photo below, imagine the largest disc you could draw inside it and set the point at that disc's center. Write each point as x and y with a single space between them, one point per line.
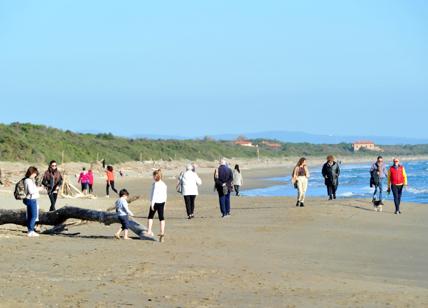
19 192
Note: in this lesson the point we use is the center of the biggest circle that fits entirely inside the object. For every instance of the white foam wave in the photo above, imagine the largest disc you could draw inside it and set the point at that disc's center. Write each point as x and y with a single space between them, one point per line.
417 191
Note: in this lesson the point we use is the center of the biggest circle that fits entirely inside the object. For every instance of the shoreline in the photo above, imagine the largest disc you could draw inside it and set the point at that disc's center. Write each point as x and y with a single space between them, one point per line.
268 253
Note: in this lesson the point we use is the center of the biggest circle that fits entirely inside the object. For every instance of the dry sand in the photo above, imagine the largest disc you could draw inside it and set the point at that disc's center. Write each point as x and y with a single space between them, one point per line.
267 254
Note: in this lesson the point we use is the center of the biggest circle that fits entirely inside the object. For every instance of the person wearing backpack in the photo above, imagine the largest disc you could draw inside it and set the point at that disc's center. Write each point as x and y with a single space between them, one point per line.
378 174
52 181
32 194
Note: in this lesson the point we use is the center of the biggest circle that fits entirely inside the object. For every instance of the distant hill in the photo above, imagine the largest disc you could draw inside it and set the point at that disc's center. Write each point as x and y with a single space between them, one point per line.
299 137
37 143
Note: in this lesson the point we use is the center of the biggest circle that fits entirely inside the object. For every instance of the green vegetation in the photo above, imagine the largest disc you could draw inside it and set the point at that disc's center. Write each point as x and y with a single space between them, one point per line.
38 143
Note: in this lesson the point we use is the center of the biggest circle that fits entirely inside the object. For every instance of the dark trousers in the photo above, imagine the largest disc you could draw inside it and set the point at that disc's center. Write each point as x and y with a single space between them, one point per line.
158 207
237 187
190 204
331 190
397 191
110 184
224 204
53 197
91 188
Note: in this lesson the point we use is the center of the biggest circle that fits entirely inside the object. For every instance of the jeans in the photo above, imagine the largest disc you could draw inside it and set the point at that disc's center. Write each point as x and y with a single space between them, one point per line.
190 204
53 197
32 213
379 190
237 189
397 191
224 204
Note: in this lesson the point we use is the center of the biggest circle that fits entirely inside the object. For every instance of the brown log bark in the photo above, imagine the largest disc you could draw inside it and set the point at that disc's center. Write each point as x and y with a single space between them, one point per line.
60 216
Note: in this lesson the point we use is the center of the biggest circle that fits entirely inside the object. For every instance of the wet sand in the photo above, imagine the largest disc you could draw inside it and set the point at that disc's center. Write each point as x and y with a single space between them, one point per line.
267 254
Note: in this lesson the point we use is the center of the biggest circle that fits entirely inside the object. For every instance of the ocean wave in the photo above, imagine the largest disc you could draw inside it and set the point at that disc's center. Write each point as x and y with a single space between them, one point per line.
417 191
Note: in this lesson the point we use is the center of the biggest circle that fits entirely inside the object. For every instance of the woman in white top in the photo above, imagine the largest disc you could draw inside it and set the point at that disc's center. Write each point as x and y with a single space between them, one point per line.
32 193
238 181
157 204
189 182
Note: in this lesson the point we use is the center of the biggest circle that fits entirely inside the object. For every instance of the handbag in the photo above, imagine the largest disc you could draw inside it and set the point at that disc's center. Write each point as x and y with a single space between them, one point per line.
225 189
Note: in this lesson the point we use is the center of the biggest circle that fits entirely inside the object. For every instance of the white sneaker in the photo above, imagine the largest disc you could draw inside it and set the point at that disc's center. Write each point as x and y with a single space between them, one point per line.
32 234
380 208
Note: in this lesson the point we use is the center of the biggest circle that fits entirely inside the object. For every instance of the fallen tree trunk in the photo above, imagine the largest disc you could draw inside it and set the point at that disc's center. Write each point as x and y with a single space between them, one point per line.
58 217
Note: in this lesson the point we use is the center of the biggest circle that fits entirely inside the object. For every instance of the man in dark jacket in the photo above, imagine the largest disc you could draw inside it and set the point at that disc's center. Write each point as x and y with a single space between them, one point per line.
52 181
331 173
223 178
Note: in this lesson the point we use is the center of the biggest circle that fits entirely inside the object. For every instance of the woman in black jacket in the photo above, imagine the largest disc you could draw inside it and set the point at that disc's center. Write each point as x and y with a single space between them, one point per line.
331 173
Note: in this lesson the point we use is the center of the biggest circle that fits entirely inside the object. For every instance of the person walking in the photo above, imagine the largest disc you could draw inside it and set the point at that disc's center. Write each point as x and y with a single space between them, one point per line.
52 181
110 181
238 180
32 194
331 173
300 180
158 198
397 179
223 178
84 180
190 182
378 174
91 181
123 213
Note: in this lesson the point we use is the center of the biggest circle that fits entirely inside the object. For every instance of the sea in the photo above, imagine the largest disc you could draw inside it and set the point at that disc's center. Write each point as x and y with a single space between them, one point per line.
354 182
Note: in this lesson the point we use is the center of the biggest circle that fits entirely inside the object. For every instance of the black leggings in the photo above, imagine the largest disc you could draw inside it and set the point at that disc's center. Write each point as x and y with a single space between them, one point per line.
397 191
331 190
190 204
110 184
53 198
159 207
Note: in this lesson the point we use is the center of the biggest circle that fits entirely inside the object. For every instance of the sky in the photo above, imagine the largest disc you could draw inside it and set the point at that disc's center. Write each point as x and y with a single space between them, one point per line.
196 68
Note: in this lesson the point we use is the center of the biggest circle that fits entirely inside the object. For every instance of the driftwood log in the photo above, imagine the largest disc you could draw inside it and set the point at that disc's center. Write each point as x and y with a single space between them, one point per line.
60 216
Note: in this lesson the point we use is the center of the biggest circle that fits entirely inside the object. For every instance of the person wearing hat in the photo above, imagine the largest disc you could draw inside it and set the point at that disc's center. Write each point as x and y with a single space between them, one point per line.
397 179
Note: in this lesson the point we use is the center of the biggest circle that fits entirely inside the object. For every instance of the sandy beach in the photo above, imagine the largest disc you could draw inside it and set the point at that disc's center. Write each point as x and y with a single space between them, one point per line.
267 254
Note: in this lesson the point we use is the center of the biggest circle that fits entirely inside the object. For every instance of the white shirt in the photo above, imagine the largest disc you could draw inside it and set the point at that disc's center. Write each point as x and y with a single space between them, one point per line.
122 208
237 178
31 189
159 193
190 181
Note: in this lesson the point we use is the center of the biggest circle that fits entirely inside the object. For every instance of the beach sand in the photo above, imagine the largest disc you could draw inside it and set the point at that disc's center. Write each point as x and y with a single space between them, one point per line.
267 254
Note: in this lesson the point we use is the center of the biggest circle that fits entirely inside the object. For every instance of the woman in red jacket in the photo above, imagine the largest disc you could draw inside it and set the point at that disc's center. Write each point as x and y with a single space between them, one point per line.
397 179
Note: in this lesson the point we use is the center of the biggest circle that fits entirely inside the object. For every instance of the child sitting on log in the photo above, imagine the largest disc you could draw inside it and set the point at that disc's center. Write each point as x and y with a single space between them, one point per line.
123 213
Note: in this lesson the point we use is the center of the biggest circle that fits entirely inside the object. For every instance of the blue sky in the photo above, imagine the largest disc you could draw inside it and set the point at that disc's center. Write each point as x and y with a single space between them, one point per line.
210 67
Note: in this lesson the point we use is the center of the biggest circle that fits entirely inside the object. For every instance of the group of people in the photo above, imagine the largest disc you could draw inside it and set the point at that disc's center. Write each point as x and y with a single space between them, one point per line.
225 182
86 180
52 181
396 180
